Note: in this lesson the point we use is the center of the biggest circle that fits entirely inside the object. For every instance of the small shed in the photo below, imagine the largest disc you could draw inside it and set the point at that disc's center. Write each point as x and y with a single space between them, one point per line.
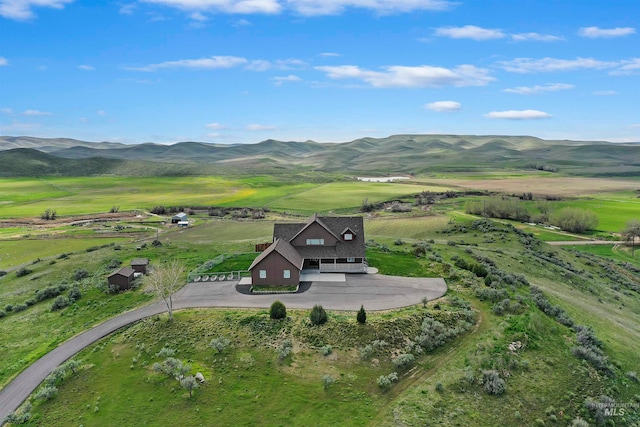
122 278
180 216
140 265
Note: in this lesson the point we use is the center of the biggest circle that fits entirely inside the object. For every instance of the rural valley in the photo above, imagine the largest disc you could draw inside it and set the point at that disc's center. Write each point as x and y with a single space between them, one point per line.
538 325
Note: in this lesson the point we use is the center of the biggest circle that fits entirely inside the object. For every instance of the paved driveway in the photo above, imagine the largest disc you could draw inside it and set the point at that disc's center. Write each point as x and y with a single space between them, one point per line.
374 291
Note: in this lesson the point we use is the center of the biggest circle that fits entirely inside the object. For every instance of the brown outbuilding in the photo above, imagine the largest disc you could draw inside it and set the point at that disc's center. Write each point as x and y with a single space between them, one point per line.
140 265
122 278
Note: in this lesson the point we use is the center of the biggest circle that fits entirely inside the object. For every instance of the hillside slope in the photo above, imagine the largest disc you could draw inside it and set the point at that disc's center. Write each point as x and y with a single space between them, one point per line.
414 154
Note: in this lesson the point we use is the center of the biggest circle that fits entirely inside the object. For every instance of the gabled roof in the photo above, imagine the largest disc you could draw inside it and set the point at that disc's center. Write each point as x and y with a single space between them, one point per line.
140 261
285 249
124 271
316 219
180 215
334 224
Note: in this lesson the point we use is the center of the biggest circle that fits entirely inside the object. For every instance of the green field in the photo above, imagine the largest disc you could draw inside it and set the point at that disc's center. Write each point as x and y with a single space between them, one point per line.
16 252
29 197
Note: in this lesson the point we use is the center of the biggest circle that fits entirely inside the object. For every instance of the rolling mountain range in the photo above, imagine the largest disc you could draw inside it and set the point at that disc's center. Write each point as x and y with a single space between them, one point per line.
417 154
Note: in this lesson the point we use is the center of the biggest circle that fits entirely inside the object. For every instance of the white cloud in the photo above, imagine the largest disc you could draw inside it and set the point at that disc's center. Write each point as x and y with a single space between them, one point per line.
212 62
530 65
198 16
405 76
3 61
20 10
530 90
224 6
280 64
605 92
597 33
518 115
535 37
101 113
36 113
305 7
330 54
255 127
8 111
334 7
444 106
127 9
281 79
86 67
470 32
628 67
215 126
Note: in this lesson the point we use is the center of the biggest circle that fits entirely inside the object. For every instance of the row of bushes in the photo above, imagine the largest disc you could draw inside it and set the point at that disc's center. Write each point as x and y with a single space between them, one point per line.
589 347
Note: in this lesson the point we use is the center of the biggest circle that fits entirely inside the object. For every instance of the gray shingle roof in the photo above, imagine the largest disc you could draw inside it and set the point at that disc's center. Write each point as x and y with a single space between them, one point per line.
124 271
285 249
140 261
336 225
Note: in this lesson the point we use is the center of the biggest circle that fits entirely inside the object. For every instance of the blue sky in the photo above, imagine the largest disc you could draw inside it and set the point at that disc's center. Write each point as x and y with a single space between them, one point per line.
241 71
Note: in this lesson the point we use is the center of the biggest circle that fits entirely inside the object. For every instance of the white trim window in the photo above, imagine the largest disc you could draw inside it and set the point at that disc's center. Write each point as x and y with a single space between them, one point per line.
348 236
286 274
263 274
315 242
351 260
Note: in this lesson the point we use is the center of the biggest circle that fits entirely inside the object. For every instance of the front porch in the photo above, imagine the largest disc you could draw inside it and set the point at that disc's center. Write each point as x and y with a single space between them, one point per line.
336 265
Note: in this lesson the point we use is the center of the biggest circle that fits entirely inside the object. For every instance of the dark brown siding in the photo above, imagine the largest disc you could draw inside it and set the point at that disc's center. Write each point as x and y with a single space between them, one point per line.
314 231
122 282
140 268
275 264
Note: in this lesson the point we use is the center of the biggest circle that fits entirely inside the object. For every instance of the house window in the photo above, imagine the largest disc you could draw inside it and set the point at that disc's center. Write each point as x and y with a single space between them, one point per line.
263 274
351 260
315 242
348 236
286 274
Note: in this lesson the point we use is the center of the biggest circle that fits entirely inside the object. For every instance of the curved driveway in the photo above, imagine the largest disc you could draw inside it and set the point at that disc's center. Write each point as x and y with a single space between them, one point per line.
375 292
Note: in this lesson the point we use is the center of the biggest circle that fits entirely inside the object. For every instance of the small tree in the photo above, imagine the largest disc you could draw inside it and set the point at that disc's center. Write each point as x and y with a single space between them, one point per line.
631 232
278 310
220 343
165 280
189 383
318 316
361 316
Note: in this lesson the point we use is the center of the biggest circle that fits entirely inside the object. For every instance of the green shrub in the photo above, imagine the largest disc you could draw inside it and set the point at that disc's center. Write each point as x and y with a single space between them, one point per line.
46 392
23 272
278 310
60 303
492 382
318 315
284 349
361 317
74 294
326 350
404 361
220 343
327 381
439 387
385 381
166 352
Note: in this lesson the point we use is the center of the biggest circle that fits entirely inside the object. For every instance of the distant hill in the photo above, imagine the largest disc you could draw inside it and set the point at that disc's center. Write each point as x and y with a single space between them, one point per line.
418 154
